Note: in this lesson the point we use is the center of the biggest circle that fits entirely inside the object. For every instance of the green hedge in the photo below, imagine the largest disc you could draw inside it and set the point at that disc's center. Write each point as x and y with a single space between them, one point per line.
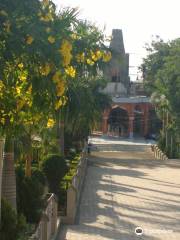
30 192
66 181
54 167
12 226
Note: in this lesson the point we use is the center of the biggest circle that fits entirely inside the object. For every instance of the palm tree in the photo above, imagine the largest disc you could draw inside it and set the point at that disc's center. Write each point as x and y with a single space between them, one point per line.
8 175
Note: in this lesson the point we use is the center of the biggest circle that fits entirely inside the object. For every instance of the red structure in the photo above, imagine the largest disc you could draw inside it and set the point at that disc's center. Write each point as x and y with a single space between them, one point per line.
127 119
129 115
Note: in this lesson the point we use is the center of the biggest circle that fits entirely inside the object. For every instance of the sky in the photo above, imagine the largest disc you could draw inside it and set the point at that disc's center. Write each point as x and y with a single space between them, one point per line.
140 21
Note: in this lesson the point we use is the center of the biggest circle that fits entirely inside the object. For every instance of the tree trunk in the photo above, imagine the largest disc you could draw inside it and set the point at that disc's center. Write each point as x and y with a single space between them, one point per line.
60 133
62 137
28 156
1 166
167 122
28 171
171 154
8 174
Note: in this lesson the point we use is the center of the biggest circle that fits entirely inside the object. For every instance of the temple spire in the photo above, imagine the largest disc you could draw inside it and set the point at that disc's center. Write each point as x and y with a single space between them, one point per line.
117 42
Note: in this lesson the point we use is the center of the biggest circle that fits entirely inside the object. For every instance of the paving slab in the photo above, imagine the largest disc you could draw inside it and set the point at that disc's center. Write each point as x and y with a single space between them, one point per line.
124 190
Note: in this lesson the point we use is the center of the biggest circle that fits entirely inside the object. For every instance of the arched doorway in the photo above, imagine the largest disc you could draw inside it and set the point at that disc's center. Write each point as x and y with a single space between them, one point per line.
138 121
118 122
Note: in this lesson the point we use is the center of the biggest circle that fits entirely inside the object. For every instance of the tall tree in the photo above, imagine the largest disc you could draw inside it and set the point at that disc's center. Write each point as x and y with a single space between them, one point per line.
31 40
161 70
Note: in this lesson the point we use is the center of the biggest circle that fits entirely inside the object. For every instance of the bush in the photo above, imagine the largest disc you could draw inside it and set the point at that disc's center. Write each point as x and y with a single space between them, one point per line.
66 181
39 175
54 168
12 225
30 192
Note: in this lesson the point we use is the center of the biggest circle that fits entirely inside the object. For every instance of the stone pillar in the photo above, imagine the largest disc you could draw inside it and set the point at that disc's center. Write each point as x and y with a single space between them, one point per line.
131 126
54 215
1 166
71 204
105 125
44 224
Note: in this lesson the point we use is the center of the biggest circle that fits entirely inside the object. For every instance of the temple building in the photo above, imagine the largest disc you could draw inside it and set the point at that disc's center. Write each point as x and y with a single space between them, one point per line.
131 111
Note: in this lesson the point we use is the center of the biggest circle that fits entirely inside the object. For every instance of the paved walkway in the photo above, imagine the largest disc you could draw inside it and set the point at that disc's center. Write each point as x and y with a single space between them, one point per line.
124 190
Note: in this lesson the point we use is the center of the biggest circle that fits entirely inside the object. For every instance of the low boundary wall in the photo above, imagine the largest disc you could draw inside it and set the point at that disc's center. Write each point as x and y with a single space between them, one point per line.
158 154
74 191
48 225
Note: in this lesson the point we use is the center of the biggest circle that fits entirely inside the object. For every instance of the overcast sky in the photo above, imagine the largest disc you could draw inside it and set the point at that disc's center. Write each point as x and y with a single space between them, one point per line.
139 20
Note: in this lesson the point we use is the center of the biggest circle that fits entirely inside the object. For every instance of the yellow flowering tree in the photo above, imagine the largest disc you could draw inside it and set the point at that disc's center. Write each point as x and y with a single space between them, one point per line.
49 63
32 69
87 55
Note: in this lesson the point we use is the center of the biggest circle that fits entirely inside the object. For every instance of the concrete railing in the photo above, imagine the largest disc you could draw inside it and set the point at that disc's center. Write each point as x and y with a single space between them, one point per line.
158 154
74 191
47 227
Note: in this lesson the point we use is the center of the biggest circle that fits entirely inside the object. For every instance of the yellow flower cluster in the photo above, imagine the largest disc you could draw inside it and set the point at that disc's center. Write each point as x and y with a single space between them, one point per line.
1 88
74 36
23 94
29 91
20 65
18 90
3 117
58 104
45 70
60 83
29 119
70 71
60 88
106 56
29 39
1 85
23 76
29 102
80 57
65 51
57 77
96 55
20 104
3 120
51 39
46 17
90 62
50 123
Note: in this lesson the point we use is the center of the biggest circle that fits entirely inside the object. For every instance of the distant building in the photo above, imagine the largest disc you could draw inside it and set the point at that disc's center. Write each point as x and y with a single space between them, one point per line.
131 111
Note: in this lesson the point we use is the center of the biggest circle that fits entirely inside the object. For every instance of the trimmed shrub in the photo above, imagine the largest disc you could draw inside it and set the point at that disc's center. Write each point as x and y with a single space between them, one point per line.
12 225
54 168
30 192
66 182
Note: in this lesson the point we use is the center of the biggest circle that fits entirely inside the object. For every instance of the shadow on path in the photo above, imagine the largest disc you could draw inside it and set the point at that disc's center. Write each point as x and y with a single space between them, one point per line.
121 193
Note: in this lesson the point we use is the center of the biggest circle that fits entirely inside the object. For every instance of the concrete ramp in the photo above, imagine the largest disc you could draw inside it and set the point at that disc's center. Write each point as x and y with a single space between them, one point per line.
125 188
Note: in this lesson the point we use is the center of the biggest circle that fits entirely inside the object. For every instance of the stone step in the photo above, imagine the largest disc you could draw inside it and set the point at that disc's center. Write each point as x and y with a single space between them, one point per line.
121 147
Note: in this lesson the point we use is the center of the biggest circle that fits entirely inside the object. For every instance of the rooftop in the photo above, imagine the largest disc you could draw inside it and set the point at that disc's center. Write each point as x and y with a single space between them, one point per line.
136 99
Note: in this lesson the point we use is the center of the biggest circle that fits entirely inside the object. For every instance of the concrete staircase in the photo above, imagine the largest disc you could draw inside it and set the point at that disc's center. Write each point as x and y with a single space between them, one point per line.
136 151
120 147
